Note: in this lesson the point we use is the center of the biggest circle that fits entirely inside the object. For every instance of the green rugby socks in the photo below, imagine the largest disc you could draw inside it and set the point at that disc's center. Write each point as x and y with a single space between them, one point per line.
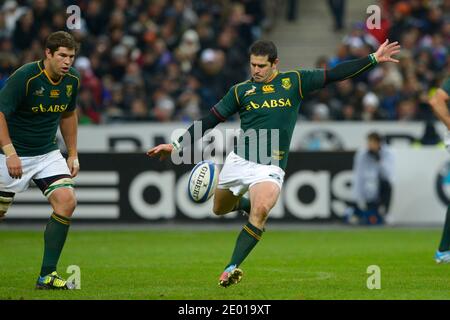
54 238
246 241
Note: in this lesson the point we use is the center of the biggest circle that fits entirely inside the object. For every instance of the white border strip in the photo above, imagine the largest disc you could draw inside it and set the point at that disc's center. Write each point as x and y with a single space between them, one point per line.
81 211
82 194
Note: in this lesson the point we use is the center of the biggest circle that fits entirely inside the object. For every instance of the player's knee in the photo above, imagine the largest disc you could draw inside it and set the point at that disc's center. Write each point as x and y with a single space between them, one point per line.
64 201
6 199
70 201
261 210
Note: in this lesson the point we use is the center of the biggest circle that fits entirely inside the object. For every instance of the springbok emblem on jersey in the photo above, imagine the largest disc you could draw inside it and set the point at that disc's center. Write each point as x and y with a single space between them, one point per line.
69 90
286 83
39 92
250 92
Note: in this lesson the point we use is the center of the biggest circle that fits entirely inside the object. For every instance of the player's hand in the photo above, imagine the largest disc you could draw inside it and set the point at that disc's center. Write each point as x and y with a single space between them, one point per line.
162 150
74 165
14 166
386 51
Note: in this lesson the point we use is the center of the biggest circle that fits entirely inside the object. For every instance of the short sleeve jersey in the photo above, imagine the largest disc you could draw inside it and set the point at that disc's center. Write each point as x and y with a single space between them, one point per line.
33 103
268 113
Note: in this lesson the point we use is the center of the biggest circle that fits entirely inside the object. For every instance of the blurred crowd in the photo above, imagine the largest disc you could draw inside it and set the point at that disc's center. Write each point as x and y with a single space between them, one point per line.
172 60
390 91
141 60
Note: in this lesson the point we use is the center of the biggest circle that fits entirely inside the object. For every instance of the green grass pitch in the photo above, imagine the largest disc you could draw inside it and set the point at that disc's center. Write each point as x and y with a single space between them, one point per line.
181 264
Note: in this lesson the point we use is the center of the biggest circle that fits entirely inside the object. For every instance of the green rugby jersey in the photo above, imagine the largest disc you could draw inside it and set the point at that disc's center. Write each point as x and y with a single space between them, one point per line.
271 105
33 103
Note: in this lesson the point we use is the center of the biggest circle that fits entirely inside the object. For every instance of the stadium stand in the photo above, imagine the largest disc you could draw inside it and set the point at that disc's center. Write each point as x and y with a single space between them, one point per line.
172 60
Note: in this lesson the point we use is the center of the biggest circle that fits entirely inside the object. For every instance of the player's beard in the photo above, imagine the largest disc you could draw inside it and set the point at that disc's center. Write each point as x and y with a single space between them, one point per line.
262 78
259 78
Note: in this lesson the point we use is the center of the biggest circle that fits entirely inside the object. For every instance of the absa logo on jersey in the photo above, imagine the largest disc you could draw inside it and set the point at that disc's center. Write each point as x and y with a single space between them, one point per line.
51 108
273 103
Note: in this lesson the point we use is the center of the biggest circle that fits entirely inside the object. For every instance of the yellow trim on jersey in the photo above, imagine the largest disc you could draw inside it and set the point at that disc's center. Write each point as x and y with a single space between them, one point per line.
12 74
299 81
50 79
28 81
274 75
235 91
47 75
23 66
357 72
75 78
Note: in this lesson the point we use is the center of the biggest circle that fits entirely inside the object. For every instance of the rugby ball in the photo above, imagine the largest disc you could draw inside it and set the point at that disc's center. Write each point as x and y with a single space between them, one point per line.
203 181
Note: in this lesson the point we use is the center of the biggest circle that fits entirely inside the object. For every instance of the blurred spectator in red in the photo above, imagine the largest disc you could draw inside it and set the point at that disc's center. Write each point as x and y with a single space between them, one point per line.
87 113
89 80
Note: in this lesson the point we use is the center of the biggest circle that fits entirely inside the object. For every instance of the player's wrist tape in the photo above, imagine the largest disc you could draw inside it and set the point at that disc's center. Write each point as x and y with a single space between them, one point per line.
9 150
373 59
176 146
76 163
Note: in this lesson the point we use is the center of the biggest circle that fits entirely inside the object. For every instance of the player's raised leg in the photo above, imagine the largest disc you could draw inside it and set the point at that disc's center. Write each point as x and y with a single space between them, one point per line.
224 201
263 197
63 202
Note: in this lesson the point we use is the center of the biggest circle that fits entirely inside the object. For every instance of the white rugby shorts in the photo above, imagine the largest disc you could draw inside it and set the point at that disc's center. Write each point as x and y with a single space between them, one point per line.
238 174
38 167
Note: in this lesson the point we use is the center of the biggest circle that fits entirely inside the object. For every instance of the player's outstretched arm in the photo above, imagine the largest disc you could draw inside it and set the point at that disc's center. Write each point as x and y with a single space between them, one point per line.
163 151
438 102
352 68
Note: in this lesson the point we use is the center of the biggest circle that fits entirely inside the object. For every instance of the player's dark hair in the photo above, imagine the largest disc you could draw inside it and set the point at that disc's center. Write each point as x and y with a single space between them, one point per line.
264 48
61 39
375 136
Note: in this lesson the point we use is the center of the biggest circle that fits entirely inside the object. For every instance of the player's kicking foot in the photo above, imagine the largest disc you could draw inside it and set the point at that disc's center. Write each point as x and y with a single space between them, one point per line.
231 275
442 257
53 282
